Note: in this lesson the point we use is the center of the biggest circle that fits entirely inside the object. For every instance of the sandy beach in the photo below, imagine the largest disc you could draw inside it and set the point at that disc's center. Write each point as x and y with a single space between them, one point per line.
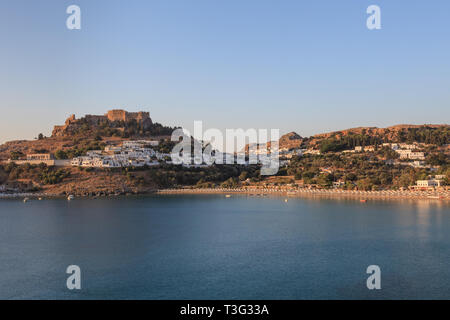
385 194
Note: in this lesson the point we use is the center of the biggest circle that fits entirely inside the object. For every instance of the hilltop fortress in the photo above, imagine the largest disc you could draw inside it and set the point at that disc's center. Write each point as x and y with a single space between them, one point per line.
117 115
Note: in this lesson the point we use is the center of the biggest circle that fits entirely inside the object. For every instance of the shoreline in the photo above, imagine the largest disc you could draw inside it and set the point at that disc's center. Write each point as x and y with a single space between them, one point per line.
363 195
443 196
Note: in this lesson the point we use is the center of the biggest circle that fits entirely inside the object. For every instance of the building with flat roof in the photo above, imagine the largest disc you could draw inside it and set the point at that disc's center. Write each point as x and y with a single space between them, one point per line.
430 184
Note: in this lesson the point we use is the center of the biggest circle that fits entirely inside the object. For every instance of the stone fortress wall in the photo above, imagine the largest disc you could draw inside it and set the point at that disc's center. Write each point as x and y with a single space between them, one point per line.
141 117
122 115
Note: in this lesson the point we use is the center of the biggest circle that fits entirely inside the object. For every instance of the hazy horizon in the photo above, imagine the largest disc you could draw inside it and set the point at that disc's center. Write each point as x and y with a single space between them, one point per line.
309 67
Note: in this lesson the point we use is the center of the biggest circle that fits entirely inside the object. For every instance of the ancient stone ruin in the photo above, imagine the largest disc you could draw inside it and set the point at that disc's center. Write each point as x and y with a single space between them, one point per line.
72 124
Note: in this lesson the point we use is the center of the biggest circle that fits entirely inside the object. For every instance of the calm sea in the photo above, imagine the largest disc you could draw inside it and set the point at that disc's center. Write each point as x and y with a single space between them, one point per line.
212 247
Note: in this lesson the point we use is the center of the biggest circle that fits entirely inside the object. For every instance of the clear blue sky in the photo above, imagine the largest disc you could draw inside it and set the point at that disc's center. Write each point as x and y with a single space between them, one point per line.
304 66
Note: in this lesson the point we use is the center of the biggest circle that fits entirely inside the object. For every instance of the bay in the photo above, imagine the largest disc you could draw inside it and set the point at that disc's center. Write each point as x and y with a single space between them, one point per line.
213 247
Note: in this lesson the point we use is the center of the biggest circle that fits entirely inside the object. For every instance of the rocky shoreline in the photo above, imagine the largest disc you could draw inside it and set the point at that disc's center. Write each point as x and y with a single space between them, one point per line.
65 195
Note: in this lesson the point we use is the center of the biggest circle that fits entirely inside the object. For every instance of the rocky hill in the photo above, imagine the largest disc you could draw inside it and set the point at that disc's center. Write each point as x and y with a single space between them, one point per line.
428 133
438 134
94 131
389 132
90 132
112 119
290 140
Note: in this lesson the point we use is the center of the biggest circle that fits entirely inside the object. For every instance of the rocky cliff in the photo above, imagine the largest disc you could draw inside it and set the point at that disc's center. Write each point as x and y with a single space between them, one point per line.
120 118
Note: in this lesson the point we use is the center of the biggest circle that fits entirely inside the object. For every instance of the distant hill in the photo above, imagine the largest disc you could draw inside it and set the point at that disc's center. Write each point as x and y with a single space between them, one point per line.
91 132
114 123
428 133
291 140
94 131
438 134
389 132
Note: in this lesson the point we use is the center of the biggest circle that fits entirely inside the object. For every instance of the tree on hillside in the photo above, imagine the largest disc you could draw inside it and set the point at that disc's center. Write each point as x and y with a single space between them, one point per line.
325 180
16 155
439 159
60 154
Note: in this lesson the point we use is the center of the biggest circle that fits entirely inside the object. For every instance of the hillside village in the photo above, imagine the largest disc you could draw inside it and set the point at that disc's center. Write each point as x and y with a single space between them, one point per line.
138 153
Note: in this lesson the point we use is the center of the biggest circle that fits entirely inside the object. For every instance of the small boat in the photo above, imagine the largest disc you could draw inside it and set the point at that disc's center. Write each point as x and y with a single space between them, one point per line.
70 197
363 200
39 199
25 200
227 196
286 200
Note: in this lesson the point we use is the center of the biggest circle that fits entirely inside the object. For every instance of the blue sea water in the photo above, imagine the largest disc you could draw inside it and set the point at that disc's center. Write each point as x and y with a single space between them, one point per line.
212 247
